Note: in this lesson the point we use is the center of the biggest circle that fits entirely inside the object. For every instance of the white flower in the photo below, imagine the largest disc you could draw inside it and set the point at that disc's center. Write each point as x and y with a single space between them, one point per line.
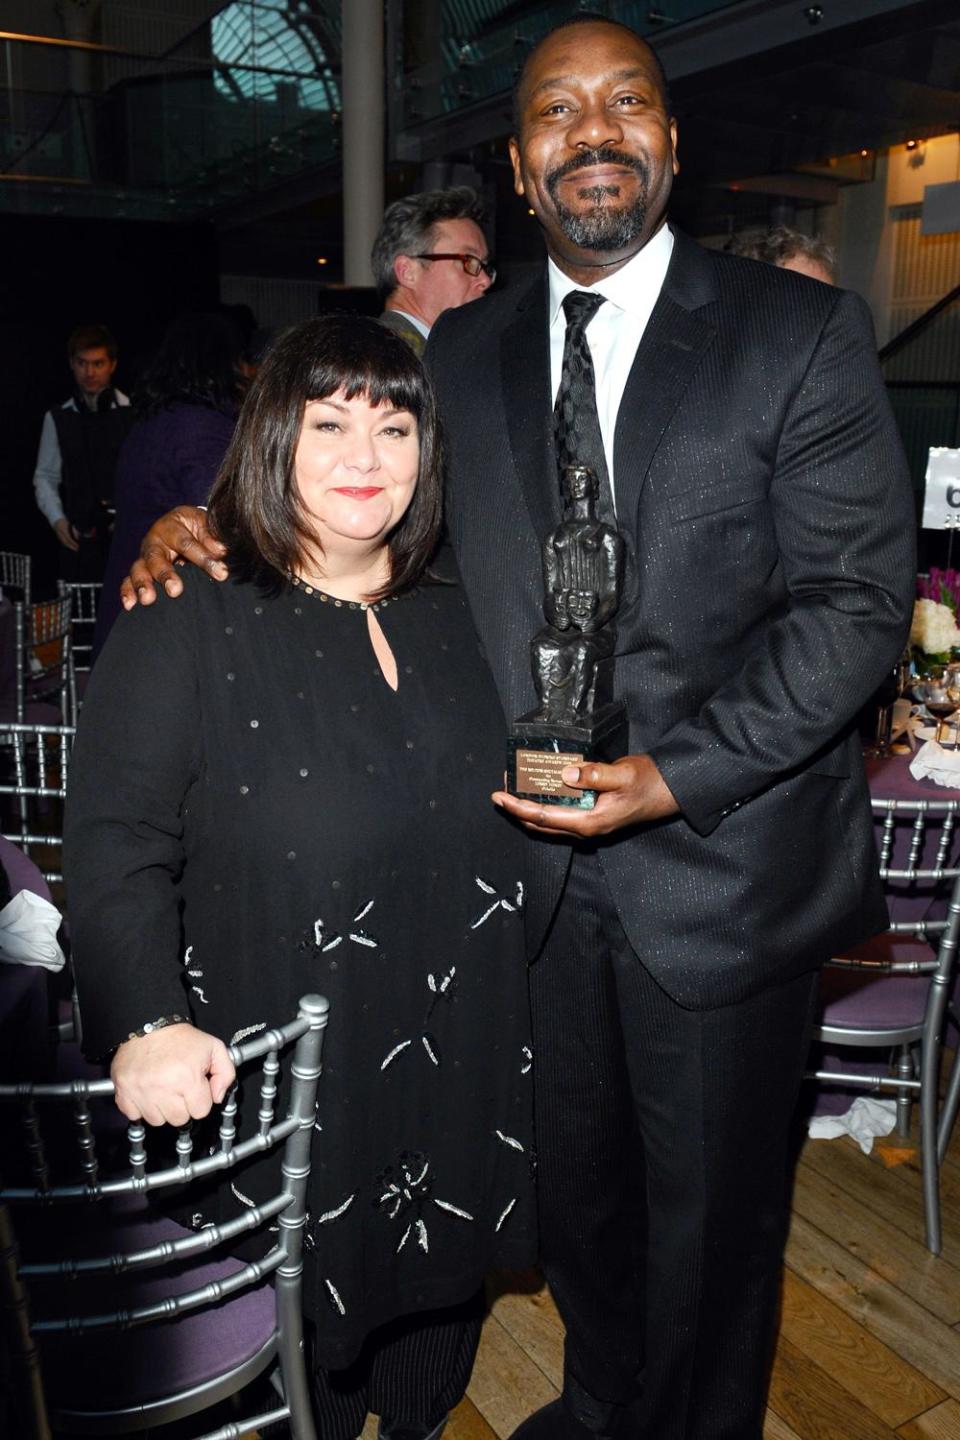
934 628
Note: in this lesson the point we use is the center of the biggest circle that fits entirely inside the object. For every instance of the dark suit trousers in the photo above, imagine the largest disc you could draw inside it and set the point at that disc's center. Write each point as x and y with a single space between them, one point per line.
663 1144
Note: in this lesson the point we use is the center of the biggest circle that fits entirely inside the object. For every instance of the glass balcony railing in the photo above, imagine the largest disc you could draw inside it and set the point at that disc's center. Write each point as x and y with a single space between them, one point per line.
249 100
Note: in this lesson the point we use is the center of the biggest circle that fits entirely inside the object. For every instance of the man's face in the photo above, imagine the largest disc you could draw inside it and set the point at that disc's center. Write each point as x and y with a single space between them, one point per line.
93 369
444 284
596 152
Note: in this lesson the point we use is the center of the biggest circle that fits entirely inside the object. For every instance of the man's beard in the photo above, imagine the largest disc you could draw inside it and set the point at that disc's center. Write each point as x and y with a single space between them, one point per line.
606 226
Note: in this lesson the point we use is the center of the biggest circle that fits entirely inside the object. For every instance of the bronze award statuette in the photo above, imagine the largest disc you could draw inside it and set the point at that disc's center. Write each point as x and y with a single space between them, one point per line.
577 719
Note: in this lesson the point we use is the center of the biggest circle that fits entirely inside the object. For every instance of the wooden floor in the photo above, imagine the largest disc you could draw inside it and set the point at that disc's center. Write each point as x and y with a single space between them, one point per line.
869 1343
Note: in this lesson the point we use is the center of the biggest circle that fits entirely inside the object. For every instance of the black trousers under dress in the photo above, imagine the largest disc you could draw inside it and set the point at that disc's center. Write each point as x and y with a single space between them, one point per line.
413 1370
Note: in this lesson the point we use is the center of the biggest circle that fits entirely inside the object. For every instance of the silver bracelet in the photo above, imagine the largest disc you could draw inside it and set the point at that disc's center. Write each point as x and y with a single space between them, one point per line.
159 1024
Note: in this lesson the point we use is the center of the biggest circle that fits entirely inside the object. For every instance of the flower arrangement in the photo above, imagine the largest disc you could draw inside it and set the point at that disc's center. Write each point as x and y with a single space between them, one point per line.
934 633
940 585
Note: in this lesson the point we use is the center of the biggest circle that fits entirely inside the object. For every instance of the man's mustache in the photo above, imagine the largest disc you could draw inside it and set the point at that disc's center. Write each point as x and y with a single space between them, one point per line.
587 159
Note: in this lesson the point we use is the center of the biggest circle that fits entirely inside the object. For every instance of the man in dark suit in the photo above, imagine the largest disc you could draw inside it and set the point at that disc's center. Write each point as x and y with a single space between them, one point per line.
739 420
759 483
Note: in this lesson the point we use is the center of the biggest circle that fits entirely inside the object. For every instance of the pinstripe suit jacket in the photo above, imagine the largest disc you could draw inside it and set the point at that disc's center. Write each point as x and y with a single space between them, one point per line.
764 497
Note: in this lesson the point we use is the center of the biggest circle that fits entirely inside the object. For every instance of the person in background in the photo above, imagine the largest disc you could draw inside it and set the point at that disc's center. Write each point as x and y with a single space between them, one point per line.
791 250
76 462
430 256
185 409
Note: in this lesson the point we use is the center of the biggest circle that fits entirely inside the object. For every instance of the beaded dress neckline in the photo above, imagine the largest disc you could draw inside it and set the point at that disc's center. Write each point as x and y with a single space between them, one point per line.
319 594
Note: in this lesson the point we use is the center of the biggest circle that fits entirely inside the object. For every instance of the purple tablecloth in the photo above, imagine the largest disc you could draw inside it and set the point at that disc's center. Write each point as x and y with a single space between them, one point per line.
890 779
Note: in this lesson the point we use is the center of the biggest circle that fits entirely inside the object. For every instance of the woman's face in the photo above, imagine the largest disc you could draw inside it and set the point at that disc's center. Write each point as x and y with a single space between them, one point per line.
356 470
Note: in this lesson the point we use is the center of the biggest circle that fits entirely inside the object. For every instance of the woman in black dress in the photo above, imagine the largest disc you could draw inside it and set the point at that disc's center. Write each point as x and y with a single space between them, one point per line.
282 784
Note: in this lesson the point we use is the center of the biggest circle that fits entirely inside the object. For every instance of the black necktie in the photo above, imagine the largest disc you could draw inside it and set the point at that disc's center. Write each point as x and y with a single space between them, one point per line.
576 424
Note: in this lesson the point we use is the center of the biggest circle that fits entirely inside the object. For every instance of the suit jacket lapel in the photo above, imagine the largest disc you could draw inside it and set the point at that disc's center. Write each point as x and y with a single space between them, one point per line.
677 334
527 401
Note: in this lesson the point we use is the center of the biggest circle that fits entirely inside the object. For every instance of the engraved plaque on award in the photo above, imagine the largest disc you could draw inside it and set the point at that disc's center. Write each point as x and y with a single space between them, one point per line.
577 719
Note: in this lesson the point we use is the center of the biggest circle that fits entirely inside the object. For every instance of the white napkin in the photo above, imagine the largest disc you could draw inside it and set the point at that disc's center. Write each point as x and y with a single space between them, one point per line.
900 720
28 932
933 762
865 1120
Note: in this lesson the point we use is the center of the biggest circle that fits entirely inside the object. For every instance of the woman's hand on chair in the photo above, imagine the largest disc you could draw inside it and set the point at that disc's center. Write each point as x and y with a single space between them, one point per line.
171 1076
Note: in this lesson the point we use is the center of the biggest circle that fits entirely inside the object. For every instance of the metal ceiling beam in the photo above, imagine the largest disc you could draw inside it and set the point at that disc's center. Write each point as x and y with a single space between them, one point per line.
728 37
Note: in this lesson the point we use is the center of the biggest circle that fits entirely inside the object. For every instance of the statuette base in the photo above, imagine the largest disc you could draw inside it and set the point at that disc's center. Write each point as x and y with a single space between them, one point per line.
538 750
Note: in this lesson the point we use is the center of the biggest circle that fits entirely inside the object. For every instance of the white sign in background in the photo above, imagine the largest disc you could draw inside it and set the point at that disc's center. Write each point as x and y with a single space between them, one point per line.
941 500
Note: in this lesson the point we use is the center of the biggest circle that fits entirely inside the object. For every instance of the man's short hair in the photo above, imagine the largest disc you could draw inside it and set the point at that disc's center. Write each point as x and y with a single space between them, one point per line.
91 337
587 17
407 228
781 244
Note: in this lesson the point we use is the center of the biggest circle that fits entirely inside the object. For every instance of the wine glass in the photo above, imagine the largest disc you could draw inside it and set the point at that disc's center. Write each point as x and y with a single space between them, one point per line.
889 690
940 698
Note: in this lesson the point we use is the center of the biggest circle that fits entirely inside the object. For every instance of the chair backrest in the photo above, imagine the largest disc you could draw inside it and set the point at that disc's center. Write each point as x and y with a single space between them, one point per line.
15 575
920 870
44 659
85 597
34 763
55 1170
930 854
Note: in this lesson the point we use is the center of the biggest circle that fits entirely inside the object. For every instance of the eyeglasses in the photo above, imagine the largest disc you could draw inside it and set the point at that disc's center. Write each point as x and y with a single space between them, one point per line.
472 264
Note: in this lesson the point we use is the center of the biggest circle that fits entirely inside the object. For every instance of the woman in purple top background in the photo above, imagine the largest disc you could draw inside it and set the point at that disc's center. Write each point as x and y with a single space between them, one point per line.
186 407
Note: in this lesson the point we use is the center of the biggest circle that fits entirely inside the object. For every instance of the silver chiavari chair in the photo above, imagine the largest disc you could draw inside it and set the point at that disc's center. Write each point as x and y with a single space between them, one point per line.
97 1367
896 992
15 573
34 763
84 597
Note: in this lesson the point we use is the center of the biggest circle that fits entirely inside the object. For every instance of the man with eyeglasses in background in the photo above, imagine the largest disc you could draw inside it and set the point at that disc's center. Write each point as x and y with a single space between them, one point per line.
430 256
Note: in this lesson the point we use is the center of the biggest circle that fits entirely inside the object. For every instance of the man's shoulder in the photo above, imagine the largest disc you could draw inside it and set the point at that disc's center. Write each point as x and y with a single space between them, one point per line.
737 279
483 319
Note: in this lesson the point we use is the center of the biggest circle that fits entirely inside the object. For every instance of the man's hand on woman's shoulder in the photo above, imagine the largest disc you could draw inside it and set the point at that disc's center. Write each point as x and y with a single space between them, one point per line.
181 534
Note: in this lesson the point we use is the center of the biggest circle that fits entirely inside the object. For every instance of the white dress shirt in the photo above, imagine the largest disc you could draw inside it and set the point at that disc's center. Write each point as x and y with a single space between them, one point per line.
49 468
615 331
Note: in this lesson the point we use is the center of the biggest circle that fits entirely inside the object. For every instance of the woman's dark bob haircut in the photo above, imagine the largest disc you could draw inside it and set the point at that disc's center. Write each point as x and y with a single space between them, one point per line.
255 506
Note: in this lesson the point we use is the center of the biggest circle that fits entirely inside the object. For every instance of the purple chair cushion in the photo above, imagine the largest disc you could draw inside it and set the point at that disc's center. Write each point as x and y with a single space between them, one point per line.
21 871
41 712
864 1001
117 1369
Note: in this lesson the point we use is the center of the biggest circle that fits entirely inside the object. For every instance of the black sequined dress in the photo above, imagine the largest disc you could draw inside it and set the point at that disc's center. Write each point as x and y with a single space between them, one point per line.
255 814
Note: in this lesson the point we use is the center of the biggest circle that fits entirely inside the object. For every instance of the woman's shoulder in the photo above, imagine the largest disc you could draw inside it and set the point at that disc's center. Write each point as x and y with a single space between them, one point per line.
201 598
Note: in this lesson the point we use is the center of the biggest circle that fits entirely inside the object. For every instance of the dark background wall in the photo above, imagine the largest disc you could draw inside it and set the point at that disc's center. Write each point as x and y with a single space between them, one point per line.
57 273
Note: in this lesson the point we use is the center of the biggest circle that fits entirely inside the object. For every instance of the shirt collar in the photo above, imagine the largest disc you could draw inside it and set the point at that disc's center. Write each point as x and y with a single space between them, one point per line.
631 288
417 324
